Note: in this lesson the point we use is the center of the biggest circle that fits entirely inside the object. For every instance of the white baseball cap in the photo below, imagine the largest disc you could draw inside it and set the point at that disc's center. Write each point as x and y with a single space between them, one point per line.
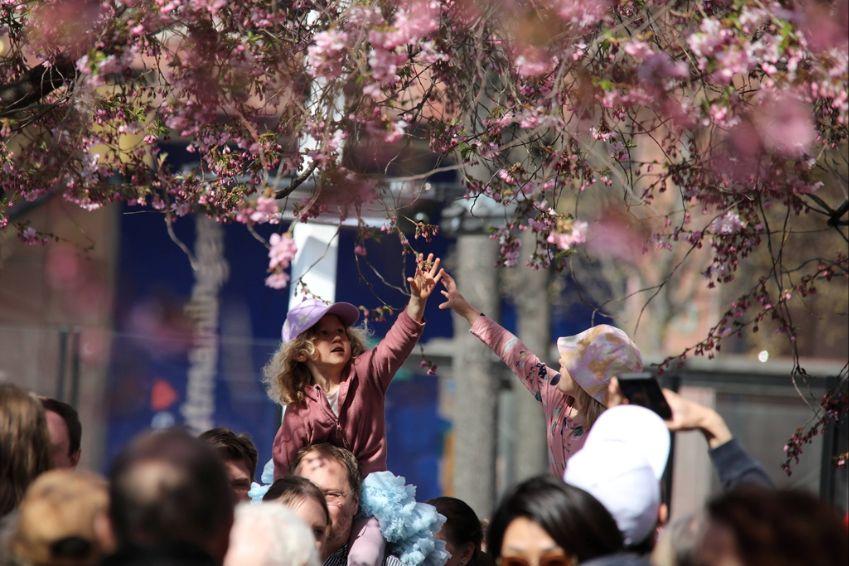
621 465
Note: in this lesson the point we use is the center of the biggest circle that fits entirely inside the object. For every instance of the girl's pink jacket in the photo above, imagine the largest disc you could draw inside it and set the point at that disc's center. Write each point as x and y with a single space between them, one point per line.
360 426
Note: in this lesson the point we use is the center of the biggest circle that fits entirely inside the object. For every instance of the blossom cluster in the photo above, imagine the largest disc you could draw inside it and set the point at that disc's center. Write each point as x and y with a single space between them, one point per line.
735 112
281 252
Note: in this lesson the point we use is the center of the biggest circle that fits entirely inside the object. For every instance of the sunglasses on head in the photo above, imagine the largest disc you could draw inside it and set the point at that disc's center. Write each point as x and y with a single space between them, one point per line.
544 561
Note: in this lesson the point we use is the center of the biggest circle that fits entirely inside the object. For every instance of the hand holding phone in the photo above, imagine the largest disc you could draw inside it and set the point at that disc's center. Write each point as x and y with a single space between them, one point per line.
643 389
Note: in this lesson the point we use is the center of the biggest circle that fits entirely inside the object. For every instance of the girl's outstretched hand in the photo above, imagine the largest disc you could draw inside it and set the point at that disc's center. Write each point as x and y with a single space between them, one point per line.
455 300
422 284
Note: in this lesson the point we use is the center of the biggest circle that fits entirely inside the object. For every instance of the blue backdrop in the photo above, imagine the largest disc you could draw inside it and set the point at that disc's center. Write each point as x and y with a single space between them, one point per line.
149 362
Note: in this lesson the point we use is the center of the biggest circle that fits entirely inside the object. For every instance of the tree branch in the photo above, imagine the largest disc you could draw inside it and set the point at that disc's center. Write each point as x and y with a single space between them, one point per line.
296 182
38 82
836 215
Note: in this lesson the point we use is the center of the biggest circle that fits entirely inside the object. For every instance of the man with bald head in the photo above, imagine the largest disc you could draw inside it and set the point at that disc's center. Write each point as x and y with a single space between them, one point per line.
170 502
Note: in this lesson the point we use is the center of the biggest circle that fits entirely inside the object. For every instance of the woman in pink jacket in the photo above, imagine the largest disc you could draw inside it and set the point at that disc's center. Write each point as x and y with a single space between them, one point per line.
571 398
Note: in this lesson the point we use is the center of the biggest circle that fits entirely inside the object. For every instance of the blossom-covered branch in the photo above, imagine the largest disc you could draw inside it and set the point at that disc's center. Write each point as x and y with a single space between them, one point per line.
718 126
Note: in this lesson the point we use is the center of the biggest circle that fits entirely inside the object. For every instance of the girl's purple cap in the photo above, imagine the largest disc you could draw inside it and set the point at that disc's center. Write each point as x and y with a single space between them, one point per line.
303 316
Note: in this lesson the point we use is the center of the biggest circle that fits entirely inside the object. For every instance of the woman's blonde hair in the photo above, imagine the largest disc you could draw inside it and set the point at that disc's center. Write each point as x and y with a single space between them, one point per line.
24 444
588 408
56 524
285 378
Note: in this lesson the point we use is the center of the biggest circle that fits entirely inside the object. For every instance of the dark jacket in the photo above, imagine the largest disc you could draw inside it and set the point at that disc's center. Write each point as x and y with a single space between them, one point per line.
735 467
618 559
175 555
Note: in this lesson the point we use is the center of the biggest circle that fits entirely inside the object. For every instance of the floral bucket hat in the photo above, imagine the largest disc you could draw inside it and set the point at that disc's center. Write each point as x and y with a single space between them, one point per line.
597 354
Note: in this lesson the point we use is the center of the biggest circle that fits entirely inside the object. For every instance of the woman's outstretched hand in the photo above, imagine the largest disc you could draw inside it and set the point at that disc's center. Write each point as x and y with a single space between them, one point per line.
422 284
455 300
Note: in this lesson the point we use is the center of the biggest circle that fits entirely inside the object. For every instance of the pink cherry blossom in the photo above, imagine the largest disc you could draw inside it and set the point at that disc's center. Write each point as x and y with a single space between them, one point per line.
266 211
282 251
582 13
567 237
278 280
710 37
730 62
639 50
324 56
414 20
533 62
29 235
785 125
728 223
399 128
211 6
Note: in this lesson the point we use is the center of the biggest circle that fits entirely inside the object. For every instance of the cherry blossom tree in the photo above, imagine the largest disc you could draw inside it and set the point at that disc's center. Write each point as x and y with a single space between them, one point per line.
738 109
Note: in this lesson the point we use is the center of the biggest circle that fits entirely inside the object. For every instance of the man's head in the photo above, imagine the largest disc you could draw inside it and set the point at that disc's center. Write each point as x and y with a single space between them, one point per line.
170 488
336 473
239 455
63 425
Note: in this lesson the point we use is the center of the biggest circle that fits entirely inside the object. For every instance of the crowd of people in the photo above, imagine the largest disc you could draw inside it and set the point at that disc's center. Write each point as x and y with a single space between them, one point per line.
173 498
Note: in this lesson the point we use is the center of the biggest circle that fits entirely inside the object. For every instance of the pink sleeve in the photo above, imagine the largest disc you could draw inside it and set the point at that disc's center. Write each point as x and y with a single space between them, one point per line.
366 543
537 377
284 449
381 362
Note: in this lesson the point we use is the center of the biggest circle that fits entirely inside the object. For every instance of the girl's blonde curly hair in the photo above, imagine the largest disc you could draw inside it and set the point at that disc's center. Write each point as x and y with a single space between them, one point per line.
285 378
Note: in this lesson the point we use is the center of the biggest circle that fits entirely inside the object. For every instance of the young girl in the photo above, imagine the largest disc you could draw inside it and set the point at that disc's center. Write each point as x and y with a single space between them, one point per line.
572 398
333 390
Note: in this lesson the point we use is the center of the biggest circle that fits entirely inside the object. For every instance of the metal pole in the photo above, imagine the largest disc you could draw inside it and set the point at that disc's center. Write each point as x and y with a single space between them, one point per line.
476 403
63 361
829 451
75 368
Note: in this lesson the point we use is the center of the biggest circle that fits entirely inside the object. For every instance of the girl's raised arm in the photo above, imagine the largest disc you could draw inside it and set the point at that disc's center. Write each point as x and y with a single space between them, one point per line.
422 285
538 378
455 300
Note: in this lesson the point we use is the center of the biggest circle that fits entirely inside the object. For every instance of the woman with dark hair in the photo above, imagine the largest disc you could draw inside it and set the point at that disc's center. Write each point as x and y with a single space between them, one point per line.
24 444
462 533
544 522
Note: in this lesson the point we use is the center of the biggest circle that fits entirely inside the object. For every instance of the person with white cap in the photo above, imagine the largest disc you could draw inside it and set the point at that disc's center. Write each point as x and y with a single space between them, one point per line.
625 455
621 465
571 398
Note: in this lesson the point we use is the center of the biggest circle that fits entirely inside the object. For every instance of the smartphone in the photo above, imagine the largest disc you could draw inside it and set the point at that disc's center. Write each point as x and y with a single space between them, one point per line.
643 389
